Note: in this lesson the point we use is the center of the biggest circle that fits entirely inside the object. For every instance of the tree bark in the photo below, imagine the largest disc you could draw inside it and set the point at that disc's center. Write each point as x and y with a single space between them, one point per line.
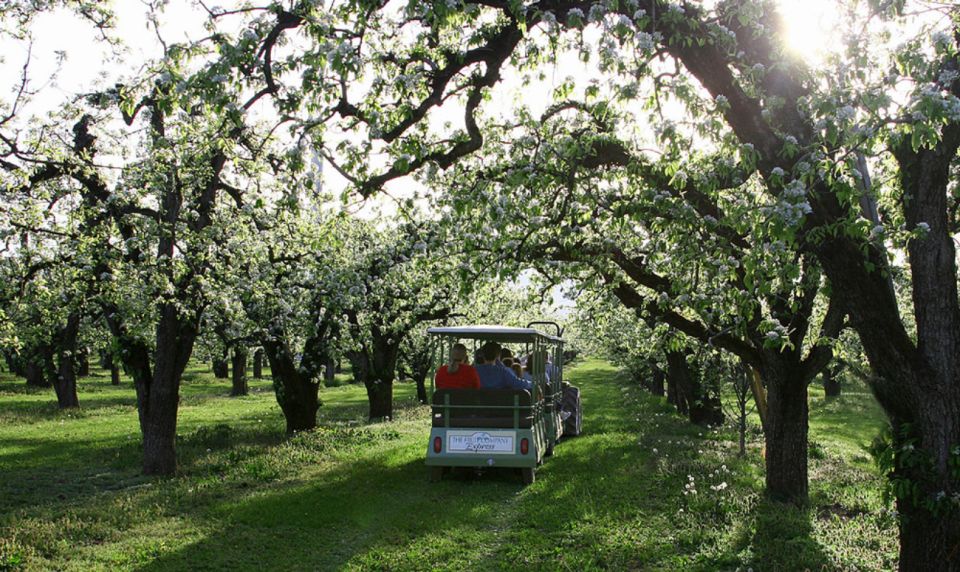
330 371
831 383
785 433
380 397
14 363
258 364
296 394
221 366
359 366
158 392
421 381
239 366
677 374
382 368
33 371
693 398
657 380
65 378
107 362
83 361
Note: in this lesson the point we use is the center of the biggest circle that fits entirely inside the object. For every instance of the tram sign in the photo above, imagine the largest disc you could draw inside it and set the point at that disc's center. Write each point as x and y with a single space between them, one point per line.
481 441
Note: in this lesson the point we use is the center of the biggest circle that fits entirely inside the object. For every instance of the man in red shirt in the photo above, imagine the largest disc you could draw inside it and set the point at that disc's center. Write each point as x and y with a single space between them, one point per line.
458 374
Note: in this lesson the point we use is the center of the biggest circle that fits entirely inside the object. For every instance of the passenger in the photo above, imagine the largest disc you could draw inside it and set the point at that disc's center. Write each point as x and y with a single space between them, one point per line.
494 375
527 375
507 361
505 353
536 364
458 374
553 372
517 370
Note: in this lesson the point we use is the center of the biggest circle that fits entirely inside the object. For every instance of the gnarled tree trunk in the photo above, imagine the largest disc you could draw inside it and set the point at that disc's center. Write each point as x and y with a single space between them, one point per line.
159 399
382 365
785 432
693 397
296 394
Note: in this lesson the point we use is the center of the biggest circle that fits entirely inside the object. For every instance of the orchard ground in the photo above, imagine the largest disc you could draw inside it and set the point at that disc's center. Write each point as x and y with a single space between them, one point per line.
641 489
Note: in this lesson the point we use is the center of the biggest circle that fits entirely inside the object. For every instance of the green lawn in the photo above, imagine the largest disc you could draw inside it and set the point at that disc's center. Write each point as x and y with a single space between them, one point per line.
356 496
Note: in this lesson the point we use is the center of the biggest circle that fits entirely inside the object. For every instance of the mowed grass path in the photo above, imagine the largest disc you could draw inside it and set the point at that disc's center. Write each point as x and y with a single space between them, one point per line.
356 496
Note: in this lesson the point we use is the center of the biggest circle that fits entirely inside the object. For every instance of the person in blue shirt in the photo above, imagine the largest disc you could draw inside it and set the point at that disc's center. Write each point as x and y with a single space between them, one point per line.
495 375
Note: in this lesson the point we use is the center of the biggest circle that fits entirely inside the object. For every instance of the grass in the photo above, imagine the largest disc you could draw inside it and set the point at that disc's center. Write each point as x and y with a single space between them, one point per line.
355 496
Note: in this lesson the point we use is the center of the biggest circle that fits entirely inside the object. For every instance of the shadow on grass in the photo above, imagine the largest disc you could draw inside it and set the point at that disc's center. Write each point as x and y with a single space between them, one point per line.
360 508
37 472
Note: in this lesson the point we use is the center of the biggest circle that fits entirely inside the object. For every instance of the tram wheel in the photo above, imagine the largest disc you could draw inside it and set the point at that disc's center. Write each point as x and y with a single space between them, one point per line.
529 475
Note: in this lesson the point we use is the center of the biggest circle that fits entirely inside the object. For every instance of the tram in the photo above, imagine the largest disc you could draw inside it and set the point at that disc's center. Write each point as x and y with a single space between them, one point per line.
486 428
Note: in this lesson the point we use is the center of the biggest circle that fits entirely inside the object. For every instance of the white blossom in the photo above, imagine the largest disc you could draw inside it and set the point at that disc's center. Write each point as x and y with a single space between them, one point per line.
596 13
645 41
941 39
846 113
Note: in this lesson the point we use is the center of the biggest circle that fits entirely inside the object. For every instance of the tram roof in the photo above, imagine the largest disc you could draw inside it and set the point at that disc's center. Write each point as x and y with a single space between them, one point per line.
493 333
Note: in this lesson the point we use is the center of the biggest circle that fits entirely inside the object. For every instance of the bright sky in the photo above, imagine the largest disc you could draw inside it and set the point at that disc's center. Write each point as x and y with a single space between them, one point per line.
89 62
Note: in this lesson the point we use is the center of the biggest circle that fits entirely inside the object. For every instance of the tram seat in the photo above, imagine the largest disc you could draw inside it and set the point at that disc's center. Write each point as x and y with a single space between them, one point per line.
491 408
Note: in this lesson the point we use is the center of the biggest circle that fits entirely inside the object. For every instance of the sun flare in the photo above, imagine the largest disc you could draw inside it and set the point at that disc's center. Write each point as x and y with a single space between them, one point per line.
810 28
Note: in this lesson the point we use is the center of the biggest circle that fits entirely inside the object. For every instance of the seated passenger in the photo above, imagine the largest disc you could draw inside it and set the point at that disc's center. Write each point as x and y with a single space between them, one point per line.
494 375
458 374
517 370
536 364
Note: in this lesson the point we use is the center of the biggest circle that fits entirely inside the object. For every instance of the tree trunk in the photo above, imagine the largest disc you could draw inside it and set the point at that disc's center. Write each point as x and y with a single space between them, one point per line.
785 432
380 396
656 382
221 367
929 539
65 380
330 371
359 366
831 383
381 374
693 398
14 363
677 374
258 364
33 371
83 361
158 396
239 365
420 378
107 362
296 395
